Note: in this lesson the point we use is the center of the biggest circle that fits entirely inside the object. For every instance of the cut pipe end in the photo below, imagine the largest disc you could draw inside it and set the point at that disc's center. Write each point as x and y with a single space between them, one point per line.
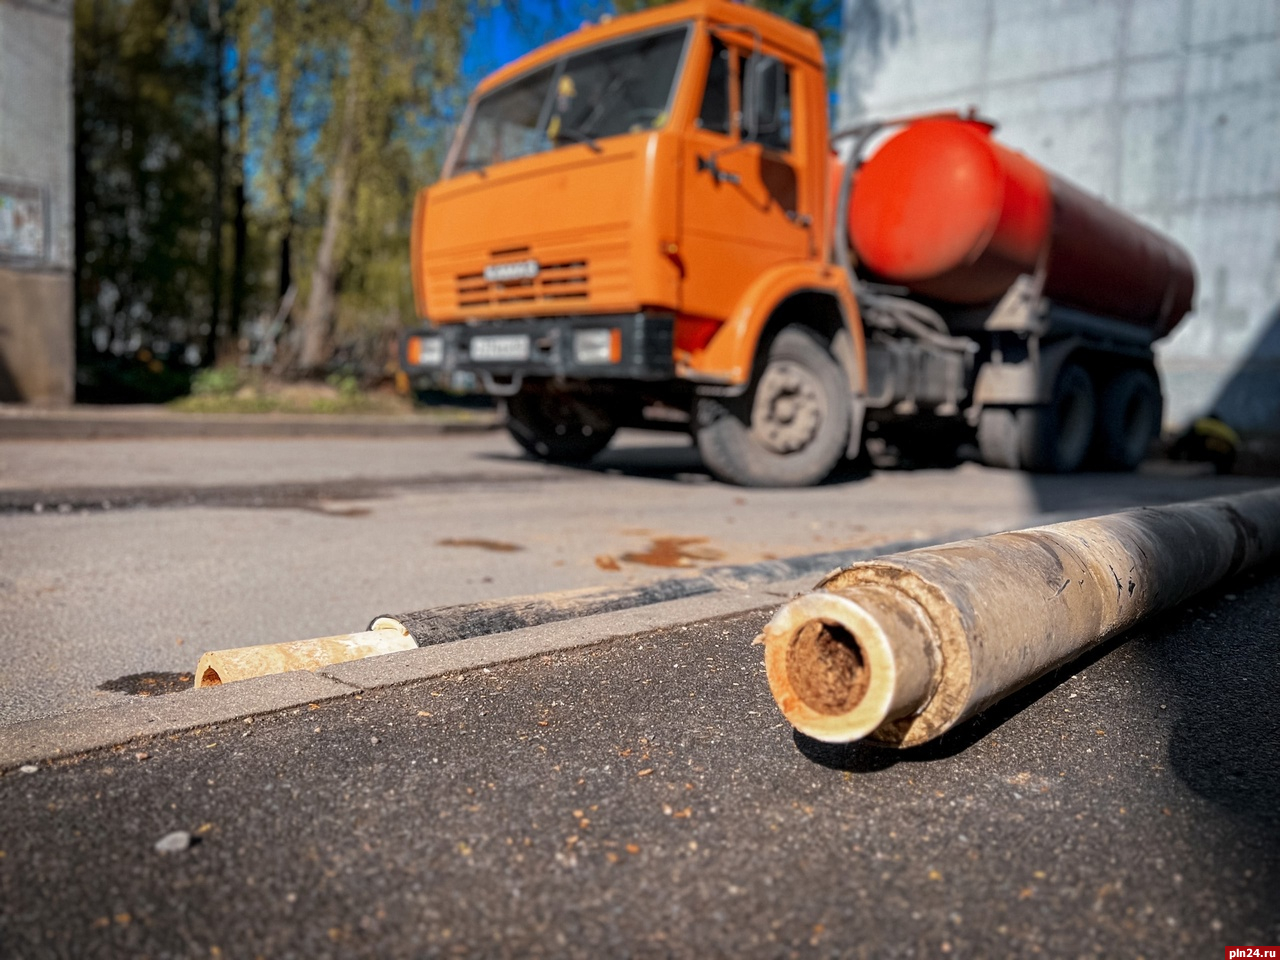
835 672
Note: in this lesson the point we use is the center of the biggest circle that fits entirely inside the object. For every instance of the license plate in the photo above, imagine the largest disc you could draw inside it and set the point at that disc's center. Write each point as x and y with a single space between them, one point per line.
504 347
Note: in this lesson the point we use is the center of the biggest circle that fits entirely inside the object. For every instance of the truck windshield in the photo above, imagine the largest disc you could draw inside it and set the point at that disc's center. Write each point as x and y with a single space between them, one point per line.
619 87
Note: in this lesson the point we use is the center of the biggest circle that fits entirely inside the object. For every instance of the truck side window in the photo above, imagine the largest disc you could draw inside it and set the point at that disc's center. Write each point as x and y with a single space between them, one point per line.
771 125
715 96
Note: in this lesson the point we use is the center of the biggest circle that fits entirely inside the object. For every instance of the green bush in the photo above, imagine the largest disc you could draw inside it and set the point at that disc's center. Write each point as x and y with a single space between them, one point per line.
216 382
348 387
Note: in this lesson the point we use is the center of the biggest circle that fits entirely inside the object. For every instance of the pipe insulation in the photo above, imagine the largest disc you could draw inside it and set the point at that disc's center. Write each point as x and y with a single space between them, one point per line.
902 648
240 663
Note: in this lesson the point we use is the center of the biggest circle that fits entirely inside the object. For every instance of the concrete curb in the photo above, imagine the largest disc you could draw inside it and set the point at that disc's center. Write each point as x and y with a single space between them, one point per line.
140 719
118 423
395 669
82 731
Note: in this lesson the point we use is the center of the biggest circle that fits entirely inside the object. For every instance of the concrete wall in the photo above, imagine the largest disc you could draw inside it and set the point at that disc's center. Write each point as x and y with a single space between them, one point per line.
1169 108
37 352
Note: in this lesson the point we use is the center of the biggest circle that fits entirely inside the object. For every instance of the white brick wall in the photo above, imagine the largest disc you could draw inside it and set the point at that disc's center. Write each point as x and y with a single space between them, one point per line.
36 110
1170 108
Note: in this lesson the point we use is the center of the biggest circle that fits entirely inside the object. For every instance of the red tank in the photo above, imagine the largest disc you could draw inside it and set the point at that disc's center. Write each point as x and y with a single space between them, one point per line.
944 210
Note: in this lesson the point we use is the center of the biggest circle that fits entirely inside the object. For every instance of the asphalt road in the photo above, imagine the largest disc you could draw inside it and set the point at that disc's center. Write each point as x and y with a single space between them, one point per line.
121 561
643 798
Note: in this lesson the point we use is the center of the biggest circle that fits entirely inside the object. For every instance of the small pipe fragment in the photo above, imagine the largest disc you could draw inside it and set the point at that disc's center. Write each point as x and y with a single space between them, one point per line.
903 648
224 666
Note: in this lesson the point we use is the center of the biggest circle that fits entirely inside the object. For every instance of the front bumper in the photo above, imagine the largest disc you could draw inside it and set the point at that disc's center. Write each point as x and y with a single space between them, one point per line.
641 348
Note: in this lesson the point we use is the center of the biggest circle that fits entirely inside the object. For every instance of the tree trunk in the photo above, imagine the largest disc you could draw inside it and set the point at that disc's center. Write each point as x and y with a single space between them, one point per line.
318 319
286 137
240 228
215 274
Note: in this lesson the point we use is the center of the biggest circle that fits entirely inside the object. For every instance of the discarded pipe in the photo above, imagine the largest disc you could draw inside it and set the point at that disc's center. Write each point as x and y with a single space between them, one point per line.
422 628
241 663
903 648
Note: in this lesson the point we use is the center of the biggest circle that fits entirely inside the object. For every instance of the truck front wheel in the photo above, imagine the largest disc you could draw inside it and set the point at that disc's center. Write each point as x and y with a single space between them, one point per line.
558 426
790 428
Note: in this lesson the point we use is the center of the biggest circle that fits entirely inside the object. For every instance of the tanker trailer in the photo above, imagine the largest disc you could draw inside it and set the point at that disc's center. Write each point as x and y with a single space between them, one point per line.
995 290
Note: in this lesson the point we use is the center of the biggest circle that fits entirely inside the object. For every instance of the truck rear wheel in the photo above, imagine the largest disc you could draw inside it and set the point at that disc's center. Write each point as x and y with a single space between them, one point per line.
790 428
1053 438
1129 414
558 426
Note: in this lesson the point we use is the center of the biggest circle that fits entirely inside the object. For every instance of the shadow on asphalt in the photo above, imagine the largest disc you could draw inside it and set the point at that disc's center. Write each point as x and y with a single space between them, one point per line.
1158 482
866 757
1223 676
150 684
1217 674
675 464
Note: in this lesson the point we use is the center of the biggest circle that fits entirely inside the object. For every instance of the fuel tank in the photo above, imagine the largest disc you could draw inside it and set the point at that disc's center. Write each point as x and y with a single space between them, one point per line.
946 211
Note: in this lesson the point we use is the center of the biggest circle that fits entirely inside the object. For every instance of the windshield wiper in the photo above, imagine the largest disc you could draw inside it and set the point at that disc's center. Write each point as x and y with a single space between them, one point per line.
576 135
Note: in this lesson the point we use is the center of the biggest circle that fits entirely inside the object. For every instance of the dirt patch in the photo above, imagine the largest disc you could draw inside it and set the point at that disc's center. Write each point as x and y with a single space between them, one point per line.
606 562
153 684
674 552
497 546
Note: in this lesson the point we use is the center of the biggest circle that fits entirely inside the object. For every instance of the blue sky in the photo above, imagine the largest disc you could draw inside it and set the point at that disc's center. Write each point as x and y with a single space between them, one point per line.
511 28
499 37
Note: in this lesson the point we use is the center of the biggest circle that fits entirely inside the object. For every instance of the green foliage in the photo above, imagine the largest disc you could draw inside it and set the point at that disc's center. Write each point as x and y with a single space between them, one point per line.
348 387
147 74
393 60
217 382
231 391
144 186
283 95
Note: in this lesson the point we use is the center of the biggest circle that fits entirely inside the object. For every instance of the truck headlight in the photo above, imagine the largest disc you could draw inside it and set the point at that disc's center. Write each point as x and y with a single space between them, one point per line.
425 351
597 347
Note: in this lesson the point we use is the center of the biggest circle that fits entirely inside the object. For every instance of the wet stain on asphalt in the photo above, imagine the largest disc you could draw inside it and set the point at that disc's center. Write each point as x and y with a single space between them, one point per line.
497 546
151 684
674 552
336 510
317 496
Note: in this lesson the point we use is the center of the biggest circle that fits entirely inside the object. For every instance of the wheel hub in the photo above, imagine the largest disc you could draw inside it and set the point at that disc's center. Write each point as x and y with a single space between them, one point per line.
788 407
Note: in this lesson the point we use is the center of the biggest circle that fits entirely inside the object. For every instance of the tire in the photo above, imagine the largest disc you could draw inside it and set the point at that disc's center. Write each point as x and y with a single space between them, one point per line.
558 427
1129 414
998 441
791 427
1054 438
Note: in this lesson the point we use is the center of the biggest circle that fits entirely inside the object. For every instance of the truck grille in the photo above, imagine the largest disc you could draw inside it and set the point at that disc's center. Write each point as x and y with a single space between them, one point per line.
557 281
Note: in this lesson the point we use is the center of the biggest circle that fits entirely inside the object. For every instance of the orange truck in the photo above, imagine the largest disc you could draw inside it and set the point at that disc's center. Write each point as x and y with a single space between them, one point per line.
648 223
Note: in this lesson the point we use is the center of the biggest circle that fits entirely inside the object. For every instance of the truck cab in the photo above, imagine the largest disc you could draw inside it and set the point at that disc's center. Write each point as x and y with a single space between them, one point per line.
628 219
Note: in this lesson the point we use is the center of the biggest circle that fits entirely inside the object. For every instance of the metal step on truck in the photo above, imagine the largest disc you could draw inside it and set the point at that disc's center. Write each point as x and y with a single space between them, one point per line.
647 224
